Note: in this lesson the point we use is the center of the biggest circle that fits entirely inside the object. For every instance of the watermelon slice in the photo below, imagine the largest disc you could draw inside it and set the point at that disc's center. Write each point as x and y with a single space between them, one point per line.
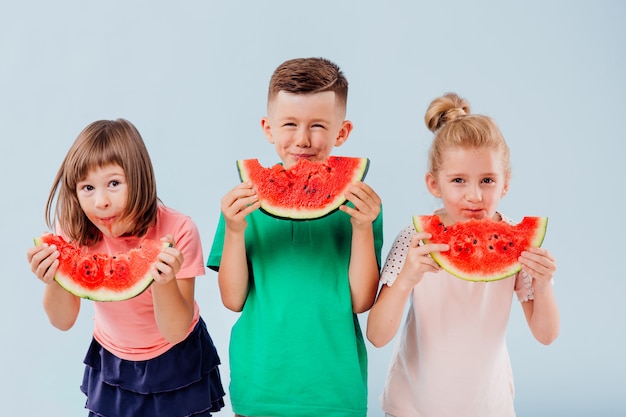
101 277
482 250
307 190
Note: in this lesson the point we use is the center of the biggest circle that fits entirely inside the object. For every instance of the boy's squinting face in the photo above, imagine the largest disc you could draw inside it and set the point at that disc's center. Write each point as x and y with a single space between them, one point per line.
103 196
305 126
470 183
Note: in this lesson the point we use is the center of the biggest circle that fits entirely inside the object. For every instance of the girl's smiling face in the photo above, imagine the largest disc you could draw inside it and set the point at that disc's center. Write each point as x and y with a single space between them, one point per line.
470 183
103 196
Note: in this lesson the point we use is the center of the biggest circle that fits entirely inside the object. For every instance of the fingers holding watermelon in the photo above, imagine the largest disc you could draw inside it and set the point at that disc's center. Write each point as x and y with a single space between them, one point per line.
237 204
418 259
540 265
366 204
168 262
44 261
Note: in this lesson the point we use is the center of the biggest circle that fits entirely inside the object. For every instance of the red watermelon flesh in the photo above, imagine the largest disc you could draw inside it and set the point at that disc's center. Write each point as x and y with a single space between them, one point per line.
103 277
482 250
307 190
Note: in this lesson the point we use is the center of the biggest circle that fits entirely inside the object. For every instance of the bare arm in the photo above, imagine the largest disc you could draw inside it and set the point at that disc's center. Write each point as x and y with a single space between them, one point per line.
385 317
173 307
542 313
173 299
363 271
232 276
61 307
233 273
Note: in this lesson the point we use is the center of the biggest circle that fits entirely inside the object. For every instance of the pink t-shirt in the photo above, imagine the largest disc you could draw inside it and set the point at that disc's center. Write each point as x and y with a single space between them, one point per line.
451 357
128 328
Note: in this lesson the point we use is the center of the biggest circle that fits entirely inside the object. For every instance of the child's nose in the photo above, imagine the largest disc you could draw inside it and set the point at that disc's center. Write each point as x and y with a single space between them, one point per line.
473 194
102 200
302 138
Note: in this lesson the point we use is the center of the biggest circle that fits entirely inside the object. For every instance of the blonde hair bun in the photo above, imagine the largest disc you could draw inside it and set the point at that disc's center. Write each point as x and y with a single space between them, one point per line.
444 109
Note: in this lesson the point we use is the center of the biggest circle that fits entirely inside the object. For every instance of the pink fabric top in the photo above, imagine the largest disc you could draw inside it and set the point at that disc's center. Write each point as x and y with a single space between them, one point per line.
128 328
451 357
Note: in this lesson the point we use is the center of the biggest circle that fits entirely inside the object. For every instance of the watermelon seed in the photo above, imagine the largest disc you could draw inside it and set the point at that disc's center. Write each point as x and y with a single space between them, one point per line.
504 247
491 247
475 241
328 196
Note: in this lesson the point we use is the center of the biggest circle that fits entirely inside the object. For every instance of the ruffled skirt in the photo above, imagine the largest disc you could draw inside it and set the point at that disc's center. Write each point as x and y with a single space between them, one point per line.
182 382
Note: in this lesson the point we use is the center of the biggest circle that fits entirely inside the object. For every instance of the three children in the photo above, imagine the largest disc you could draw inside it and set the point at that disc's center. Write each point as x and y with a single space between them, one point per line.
297 347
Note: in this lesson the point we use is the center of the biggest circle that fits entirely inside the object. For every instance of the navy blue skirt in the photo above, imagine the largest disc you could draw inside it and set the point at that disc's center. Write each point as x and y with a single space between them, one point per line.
182 382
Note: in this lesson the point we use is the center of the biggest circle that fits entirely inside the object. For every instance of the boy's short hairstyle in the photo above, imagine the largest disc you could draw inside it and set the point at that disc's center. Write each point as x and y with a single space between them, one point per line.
102 143
307 76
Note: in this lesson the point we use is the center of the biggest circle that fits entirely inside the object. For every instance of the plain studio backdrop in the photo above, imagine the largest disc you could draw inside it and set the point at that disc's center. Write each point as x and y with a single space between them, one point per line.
193 75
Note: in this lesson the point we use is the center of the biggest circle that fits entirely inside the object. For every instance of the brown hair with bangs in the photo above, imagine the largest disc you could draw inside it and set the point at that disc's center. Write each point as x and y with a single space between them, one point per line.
450 119
308 76
102 143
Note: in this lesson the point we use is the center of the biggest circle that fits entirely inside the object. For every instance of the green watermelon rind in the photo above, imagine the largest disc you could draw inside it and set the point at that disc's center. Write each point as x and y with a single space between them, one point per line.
440 258
103 294
299 214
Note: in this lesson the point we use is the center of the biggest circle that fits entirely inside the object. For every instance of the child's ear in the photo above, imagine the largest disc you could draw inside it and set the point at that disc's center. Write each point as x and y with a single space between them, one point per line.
432 185
506 188
344 132
267 129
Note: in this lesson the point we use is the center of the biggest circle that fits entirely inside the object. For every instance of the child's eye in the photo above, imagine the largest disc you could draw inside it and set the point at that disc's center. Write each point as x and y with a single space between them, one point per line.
87 187
488 180
114 183
458 180
289 124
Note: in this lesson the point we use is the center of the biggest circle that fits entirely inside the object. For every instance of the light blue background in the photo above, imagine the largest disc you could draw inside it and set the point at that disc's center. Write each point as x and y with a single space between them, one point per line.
192 76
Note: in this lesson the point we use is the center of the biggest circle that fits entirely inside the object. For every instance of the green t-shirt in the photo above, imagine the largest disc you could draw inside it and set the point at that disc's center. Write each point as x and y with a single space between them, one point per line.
297 348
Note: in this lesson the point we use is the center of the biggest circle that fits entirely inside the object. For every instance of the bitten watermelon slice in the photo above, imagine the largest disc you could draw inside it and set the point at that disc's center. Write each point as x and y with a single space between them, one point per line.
307 190
482 250
102 277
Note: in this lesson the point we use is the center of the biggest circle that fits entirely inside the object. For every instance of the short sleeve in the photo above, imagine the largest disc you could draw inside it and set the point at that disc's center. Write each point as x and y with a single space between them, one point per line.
215 255
397 255
188 242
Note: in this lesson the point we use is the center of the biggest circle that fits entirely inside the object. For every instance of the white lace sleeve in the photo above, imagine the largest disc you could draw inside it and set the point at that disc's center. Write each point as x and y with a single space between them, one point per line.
397 254
524 287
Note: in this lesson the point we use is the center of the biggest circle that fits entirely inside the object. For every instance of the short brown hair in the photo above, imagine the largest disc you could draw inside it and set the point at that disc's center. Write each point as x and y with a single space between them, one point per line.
449 117
309 75
102 143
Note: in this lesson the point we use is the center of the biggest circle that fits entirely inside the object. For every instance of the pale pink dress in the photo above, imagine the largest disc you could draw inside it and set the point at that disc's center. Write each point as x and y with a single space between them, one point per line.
451 358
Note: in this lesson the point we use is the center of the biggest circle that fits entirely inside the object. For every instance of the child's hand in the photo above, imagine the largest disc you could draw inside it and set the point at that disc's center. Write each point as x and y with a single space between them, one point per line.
168 263
418 260
237 204
366 205
43 261
540 265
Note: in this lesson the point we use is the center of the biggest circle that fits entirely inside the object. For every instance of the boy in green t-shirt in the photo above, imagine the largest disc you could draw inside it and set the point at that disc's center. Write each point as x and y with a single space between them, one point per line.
297 348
